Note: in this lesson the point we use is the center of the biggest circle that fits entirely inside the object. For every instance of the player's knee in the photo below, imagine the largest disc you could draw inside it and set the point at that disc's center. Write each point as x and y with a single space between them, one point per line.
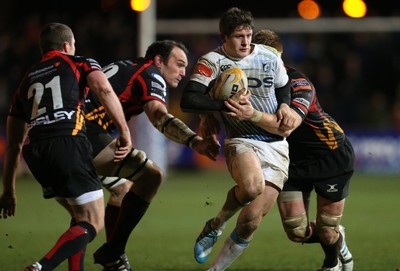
296 227
328 227
250 191
94 219
153 175
121 189
117 193
158 175
90 229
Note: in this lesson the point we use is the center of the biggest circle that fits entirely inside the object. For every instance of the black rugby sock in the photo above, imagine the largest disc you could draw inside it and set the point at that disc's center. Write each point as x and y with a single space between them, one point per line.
132 210
314 238
110 219
332 252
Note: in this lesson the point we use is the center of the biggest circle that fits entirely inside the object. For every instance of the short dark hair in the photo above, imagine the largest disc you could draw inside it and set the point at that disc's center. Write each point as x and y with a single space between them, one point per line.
53 36
268 37
234 17
163 48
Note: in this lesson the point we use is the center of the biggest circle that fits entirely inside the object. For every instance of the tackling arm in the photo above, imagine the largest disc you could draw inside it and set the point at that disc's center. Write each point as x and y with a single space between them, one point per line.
179 132
98 83
283 94
194 99
170 126
243 110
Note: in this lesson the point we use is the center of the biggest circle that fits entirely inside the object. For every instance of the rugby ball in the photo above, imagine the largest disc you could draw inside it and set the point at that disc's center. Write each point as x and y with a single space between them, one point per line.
228 83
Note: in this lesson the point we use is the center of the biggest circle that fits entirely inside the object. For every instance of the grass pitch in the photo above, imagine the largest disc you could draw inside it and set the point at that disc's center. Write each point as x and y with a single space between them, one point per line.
164 239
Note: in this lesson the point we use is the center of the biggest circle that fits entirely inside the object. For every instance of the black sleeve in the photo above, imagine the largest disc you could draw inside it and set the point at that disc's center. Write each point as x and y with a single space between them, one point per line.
283 94
194 99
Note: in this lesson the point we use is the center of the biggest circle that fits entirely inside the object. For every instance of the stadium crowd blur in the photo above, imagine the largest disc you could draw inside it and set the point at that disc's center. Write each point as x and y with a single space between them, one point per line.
357 75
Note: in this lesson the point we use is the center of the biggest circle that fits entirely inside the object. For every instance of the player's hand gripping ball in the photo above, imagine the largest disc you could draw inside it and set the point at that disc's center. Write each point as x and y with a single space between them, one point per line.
228 83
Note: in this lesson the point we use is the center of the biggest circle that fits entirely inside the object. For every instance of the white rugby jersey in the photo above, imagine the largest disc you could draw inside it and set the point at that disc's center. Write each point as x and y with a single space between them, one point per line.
265 71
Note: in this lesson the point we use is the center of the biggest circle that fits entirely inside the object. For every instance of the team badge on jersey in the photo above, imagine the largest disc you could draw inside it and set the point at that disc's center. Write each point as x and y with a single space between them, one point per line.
203 70
267 66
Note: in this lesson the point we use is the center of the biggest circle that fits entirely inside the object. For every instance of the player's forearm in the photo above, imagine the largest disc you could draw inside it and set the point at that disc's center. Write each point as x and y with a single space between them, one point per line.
283 95
16 134
11 160
273 124
267 121
176 130
195 100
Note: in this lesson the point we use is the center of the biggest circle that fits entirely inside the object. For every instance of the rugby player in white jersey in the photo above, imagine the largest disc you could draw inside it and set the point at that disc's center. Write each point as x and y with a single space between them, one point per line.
257 159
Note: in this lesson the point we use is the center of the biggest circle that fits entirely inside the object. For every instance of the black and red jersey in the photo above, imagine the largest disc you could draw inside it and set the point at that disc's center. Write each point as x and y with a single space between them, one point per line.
51 94
135 82
319 132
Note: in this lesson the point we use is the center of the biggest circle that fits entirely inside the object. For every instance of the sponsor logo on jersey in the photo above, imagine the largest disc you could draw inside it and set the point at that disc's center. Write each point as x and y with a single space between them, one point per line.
52 118
300 84
203 70
225 67
267 82
42 72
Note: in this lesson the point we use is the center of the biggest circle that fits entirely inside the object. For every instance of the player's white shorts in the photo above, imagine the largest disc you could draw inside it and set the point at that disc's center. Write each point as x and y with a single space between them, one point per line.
273 157
85 198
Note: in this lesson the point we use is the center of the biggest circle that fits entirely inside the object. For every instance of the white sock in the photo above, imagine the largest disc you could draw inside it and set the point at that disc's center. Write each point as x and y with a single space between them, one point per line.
222 227
37 265
233 248
344 251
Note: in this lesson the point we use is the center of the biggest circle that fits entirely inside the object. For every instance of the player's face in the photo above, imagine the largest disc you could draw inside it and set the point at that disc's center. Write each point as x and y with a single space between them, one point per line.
237 44
175 69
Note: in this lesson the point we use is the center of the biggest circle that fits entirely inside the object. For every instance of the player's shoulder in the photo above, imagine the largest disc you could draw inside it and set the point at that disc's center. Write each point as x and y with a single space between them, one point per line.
293 73
130 69
214 56
91 62
143 65
263 49
150 73
124 64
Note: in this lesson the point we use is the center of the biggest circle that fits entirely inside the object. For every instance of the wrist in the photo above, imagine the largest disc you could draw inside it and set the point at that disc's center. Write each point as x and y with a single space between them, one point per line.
193 141
9 193
256 116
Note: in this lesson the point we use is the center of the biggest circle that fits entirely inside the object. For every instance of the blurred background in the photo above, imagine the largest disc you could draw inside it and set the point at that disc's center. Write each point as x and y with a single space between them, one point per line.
349 49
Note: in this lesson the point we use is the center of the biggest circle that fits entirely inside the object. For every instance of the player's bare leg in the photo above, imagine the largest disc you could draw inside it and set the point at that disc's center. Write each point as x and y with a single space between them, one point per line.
249 220
246 171
293 207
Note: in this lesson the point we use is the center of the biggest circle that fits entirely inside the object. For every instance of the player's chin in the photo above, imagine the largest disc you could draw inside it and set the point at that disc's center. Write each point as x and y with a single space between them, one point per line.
244 52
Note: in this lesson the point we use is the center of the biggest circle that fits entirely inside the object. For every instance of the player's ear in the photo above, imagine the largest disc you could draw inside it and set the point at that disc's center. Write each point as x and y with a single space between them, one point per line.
66 46
158 60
